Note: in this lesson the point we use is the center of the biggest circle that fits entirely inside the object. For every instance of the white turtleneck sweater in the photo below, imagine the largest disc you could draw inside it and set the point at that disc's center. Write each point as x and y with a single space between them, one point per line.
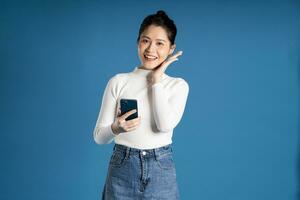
160 106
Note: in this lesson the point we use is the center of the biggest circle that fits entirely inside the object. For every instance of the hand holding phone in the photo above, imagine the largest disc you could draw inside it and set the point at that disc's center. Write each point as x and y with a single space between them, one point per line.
128 105
127 118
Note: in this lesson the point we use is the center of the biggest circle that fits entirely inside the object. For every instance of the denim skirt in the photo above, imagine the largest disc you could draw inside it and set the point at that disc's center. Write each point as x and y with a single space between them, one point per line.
135 174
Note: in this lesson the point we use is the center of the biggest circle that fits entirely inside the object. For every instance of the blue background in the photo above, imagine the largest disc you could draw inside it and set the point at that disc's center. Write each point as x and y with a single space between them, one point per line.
238 138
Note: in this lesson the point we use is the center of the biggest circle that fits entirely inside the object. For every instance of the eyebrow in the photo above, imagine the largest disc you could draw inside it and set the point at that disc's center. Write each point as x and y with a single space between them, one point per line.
156 39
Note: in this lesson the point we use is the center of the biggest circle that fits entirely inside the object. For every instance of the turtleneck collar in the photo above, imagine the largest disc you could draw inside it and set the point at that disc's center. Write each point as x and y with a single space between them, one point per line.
143 72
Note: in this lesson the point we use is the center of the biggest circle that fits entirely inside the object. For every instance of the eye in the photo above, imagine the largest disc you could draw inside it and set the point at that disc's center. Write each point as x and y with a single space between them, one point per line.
160 44
144 40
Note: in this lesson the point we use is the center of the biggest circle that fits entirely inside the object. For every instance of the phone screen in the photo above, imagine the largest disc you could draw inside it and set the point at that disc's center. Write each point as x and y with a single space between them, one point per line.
127 105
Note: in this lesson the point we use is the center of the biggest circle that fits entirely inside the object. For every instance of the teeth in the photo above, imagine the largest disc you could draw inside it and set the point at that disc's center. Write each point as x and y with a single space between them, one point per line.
150 57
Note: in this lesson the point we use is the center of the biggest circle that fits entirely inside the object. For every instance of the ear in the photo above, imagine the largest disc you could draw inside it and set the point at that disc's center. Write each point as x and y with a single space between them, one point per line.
173 47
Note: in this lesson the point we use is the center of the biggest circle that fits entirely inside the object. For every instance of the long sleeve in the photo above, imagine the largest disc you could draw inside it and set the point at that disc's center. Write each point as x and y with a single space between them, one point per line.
161 107
103 133
168 108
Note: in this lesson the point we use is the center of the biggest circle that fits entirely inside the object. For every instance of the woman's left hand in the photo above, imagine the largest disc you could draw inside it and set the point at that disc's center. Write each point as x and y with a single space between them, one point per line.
156 75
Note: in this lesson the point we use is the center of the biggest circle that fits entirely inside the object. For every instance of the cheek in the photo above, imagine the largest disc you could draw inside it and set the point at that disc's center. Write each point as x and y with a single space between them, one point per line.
140 49
163 54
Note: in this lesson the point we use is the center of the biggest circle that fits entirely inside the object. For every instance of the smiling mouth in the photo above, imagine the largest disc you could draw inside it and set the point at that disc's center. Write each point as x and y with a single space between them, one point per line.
150 58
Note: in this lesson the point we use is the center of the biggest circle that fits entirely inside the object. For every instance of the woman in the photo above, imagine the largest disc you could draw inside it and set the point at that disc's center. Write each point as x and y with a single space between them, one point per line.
142 165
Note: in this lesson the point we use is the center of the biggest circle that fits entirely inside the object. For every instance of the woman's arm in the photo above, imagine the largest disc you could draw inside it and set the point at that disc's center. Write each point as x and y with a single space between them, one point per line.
103 133
168 109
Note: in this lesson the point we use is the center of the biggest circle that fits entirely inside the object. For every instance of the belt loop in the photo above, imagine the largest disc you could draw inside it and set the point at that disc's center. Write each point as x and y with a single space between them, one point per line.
156 153
127 152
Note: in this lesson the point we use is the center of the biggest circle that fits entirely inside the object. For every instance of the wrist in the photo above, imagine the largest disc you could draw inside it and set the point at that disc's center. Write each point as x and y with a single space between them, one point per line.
153 79
114 129
154 82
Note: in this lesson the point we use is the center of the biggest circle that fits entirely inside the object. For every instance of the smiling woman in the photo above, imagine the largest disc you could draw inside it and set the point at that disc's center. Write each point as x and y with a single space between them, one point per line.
141 164
154 47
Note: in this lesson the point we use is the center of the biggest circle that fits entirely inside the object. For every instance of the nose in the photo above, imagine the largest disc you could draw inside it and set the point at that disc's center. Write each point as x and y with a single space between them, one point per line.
151 47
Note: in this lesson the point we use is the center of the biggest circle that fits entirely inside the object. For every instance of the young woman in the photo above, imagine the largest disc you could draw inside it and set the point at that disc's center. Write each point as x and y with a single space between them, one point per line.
142 165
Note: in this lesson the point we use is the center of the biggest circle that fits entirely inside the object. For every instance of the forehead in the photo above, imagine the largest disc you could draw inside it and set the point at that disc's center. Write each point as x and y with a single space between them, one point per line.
155 32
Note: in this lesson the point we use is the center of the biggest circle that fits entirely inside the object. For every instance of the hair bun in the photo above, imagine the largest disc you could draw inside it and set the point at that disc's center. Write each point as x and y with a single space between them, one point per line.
161 19
161 12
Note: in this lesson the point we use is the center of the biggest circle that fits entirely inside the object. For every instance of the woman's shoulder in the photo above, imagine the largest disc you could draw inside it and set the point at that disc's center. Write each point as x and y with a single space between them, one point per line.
120 75
118 78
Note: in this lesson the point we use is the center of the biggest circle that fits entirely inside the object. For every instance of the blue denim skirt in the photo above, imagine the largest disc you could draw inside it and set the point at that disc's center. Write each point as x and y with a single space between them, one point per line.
141 174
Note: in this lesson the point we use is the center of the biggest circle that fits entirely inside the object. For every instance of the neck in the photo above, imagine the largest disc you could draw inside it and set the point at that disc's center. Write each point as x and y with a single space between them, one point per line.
143 68
143 71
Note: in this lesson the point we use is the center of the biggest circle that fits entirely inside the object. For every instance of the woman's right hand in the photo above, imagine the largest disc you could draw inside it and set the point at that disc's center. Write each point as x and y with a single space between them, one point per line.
121 125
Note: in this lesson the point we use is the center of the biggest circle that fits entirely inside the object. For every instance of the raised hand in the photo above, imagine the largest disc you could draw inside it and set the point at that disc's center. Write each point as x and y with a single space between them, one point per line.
156 75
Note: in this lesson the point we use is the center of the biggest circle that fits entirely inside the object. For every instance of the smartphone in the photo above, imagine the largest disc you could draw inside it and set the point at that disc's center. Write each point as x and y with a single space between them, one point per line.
127 105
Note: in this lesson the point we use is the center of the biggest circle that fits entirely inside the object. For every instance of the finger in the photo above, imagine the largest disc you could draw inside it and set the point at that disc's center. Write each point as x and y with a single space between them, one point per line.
179 53
131 129
119 112
130 123
167 63
128 113
133 125
133 122
171 59
174 57
122 122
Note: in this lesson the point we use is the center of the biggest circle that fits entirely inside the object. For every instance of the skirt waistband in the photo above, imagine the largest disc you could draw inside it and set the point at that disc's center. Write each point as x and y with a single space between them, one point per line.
157 152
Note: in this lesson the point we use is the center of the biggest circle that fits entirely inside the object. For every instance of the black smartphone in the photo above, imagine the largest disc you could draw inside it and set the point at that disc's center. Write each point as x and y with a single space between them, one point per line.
127 105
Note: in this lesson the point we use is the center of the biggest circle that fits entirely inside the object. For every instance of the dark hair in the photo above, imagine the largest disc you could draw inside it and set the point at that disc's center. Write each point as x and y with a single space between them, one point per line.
160 19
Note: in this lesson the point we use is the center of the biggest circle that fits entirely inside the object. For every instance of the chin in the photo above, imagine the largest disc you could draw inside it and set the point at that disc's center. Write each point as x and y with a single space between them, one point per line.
150 66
